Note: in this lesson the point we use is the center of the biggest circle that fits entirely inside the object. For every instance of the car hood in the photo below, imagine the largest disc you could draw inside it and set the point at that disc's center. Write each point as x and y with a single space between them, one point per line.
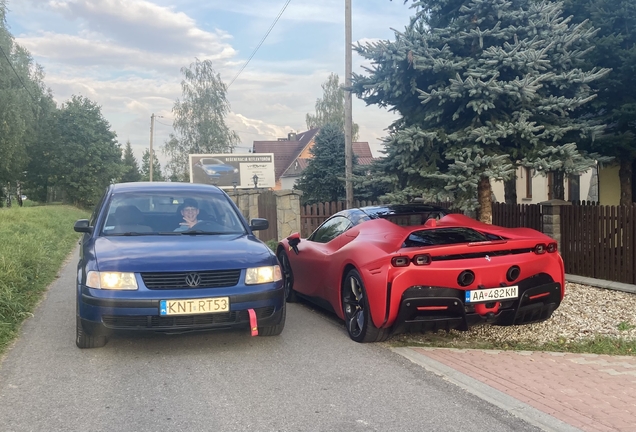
180 253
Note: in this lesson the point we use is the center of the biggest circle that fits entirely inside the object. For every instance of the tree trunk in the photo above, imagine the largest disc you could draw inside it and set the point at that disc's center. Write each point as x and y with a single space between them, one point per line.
510 190
557 185
484 193
625 177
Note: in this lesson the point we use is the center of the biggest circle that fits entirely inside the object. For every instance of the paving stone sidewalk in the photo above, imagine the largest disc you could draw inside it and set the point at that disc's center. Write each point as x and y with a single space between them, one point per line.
587 391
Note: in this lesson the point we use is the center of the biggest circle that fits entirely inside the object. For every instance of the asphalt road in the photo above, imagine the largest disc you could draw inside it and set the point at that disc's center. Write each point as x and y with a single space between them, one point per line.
312 377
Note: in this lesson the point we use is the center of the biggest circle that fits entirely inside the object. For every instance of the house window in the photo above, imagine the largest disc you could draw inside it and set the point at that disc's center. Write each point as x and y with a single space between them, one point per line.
528 173
574 188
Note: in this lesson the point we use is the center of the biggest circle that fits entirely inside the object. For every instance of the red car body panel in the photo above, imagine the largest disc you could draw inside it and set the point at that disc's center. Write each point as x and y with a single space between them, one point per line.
319 268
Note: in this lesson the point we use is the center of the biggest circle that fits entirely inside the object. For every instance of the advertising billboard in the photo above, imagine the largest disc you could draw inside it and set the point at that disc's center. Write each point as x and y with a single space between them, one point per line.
233 170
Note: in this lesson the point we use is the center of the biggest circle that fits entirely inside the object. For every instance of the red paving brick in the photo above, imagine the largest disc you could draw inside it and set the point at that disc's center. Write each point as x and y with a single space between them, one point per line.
588 391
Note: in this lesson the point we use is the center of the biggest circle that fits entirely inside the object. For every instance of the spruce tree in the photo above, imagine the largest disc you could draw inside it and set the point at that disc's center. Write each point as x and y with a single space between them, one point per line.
132 173
145 168
479 85
323 179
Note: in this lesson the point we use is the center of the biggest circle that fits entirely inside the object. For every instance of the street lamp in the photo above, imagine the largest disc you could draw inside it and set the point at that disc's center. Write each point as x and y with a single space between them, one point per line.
255 180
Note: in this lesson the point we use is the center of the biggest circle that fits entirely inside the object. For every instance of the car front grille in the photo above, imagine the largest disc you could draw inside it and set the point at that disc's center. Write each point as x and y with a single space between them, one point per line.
182 321
207 279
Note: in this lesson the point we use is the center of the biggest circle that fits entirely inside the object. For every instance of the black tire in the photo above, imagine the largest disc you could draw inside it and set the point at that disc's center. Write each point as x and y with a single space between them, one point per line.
277 329
288 277
355 307
84 340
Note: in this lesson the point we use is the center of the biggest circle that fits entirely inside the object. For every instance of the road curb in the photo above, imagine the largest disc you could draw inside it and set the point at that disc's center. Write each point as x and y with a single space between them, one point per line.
601 283
517 408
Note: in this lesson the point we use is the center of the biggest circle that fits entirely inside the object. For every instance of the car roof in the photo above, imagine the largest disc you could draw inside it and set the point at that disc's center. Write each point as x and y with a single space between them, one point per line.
164 187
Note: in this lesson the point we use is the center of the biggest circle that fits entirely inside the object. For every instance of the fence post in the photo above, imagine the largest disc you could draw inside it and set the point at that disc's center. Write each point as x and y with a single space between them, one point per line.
552 218
288 212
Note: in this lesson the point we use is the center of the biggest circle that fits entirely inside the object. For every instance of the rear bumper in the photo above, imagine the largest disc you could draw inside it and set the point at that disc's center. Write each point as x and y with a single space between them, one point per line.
103 316
426 308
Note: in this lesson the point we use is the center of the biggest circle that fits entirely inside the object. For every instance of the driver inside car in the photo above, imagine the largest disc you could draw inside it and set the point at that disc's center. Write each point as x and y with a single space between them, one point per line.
190 213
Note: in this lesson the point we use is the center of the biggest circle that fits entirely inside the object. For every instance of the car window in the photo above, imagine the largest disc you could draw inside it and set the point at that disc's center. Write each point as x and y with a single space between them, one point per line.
331 229
445 236
148 213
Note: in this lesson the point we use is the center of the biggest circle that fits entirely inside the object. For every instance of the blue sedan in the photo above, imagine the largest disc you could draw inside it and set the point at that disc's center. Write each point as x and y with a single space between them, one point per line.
174 257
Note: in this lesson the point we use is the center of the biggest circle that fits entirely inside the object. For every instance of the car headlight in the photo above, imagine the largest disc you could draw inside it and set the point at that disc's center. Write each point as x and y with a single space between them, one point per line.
261 275
111 280
210 171
235 170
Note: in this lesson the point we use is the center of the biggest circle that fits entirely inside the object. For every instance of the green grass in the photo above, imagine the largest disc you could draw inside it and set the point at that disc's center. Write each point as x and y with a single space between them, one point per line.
595 345
625 326
34 241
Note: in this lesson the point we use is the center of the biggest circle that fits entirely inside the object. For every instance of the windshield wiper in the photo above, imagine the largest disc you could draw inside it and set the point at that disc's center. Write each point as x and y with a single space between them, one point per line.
195 232
132 234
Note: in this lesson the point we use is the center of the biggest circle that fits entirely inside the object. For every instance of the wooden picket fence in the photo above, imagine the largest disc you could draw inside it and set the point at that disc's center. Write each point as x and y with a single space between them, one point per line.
517 215
599 241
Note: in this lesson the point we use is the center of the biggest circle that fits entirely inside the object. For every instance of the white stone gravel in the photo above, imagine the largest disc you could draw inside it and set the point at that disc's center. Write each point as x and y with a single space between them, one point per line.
584 313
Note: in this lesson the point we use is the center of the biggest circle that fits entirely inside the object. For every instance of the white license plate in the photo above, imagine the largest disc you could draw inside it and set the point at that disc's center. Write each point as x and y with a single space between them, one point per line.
492 294
194 306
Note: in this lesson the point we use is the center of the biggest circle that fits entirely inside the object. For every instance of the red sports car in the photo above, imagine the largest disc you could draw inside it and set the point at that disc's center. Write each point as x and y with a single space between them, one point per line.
387 269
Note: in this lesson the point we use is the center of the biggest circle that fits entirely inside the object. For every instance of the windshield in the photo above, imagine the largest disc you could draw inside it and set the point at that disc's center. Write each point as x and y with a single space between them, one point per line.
446 236
175 213
210 161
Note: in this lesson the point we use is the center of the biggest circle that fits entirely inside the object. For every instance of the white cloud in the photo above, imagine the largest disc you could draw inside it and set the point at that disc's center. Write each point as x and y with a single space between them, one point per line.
143 25
126 55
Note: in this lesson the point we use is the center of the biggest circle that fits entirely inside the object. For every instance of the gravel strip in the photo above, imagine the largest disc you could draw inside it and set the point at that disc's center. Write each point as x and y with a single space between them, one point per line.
584 313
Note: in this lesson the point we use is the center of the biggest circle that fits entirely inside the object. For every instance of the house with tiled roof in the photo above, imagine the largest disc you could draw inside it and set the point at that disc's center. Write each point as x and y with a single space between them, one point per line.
292 154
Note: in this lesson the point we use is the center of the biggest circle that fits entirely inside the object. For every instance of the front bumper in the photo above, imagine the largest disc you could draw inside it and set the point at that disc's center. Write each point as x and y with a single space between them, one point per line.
427 308
101 315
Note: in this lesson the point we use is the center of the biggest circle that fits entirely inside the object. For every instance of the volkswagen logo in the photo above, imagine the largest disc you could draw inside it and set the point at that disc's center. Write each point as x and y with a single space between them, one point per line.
193 279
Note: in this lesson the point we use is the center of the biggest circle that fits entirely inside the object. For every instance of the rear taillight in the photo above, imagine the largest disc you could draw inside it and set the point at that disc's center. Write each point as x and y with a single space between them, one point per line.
540 249
400 261
421 260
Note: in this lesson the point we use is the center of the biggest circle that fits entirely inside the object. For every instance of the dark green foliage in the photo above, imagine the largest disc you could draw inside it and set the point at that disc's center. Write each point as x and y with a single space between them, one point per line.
616 102
87 155
131 166
145 167
24 105
323 179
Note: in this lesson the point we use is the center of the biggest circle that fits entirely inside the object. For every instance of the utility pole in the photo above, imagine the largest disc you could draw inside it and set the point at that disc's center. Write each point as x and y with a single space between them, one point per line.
348 108
152 133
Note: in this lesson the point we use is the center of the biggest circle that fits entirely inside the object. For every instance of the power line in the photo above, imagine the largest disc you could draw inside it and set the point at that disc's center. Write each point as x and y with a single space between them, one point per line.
165 124
16 73
260 43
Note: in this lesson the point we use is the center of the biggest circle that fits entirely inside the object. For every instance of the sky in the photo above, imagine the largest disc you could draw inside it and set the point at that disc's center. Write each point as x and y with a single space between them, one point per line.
127 56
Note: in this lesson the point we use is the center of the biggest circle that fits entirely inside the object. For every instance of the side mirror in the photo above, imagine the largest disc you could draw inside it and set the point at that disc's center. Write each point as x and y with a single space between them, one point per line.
293 241
259 224
82 226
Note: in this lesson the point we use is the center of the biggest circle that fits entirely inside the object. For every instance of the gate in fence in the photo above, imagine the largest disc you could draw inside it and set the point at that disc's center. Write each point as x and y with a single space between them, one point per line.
267 210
